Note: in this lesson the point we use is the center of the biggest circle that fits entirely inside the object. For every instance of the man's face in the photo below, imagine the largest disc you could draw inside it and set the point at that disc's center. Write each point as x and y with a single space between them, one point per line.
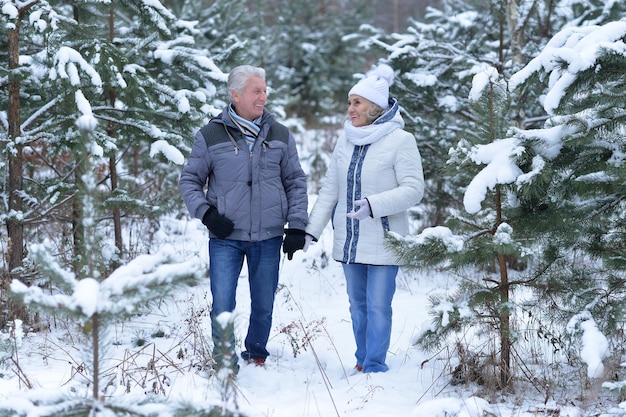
250 103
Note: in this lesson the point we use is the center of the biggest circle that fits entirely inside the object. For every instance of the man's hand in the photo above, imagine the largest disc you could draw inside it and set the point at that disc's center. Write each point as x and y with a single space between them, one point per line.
294 240
217 224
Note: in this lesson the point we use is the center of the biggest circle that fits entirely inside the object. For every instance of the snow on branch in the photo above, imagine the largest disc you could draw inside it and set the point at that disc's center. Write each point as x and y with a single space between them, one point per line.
569 52
169 151
485 76
86 122
595 346
452 242
65 67
126 290
500 169
158 14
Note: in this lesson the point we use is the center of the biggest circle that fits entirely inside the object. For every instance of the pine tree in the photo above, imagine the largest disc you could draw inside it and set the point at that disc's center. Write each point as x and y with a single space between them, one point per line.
530 196
577 160
95 301
435 61
222 27
30 98
148 85
485 228
310 58
158 85
586 12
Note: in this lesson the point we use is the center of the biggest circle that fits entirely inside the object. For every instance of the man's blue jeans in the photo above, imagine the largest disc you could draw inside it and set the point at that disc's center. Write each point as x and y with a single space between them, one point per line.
370 292
225 262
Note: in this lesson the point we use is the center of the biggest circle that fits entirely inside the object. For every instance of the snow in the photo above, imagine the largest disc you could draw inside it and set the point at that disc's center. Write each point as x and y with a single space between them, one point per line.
595 345
466 19
452 242
35 19
500 169
86 295
444 407
503 235
86 121
485 75
572 50
66 60
166 55
155 4
172 153
311 346
10 11
450 103
595 348
422 79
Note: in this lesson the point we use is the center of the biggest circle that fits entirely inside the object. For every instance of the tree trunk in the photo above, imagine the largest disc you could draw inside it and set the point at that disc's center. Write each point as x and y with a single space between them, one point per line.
516 33
95 334
504 316
117 215
15 227
505 323
78 215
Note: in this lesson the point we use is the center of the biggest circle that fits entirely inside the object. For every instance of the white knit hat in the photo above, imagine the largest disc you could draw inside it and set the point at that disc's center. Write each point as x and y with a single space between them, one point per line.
375 85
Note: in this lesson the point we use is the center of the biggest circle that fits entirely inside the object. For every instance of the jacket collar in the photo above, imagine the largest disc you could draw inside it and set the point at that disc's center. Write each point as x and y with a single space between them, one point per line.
266 118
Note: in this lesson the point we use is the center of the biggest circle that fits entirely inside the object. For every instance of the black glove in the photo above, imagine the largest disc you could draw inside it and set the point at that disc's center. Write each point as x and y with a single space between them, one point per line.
294 240
217 224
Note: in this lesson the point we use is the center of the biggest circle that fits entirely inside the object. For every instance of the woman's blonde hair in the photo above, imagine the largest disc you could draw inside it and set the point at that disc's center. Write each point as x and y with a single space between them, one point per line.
374 112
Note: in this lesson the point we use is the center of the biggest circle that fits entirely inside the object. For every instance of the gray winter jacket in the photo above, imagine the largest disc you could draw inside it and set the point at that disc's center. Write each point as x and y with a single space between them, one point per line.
259 191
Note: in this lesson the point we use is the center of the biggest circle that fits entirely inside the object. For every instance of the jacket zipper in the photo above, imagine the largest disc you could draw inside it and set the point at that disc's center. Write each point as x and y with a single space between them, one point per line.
353 221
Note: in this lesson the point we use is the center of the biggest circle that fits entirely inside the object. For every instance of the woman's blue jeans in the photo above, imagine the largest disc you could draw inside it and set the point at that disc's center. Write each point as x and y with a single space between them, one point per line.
370 292
225 262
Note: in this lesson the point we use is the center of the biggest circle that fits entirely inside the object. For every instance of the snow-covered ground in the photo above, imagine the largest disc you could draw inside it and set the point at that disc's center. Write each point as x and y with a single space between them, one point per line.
311 345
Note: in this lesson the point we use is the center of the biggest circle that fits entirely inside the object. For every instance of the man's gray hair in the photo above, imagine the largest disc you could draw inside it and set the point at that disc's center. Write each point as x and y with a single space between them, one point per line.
238 77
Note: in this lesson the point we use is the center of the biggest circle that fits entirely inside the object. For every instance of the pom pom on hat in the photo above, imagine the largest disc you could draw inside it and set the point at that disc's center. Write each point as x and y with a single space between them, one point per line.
375 85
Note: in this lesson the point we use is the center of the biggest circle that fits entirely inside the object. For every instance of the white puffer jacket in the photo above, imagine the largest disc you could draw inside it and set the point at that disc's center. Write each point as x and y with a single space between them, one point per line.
388 172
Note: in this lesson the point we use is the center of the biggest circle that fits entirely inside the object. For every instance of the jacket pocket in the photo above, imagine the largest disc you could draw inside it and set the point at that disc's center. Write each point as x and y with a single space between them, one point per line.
270 159
385 222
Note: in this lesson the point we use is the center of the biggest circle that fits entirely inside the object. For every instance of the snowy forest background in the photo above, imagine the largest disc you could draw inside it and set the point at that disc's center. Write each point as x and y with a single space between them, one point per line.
518 107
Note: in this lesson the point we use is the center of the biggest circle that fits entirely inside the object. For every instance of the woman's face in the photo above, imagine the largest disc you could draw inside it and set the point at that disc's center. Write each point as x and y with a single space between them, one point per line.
358 108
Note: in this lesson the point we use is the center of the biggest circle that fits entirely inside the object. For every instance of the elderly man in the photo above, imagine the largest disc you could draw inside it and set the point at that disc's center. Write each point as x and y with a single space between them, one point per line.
255 186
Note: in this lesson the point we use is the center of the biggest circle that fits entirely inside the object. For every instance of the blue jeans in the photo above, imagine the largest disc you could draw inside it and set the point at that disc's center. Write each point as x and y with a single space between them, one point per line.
225 262
370 292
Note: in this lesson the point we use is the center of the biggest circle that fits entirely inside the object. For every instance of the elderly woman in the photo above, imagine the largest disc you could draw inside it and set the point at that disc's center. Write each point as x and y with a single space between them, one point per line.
374 176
